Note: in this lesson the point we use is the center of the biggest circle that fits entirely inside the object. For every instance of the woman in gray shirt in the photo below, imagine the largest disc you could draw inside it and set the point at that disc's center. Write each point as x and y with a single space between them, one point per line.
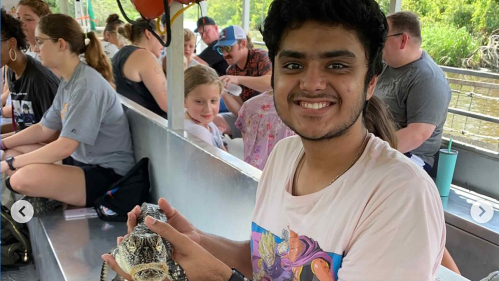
94 142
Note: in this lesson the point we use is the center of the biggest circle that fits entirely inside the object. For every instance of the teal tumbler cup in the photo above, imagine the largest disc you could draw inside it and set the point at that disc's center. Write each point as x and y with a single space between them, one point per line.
445 171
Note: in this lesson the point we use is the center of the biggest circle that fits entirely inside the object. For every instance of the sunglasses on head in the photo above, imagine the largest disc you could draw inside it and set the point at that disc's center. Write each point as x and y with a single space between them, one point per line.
222 49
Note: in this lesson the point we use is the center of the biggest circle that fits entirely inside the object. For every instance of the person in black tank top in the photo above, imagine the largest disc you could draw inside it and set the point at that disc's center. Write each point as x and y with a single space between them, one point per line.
137 72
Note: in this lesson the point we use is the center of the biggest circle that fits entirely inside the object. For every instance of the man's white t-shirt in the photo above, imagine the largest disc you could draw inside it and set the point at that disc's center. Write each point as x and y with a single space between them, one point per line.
109 49
381 220
193 63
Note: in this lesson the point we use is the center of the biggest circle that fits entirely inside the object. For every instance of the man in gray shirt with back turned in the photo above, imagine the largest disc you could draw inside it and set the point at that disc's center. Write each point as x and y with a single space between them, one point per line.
414 89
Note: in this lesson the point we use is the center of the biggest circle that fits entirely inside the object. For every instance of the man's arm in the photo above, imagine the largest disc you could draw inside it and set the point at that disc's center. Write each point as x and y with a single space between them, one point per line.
448 262
233 103
260 84
200 60
427 103
232 253
413 136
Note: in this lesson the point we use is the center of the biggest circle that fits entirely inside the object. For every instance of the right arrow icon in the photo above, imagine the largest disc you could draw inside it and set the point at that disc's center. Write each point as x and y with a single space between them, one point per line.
482 211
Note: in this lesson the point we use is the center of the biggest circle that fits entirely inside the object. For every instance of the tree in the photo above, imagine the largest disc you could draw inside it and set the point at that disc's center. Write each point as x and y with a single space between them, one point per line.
103 8
442 20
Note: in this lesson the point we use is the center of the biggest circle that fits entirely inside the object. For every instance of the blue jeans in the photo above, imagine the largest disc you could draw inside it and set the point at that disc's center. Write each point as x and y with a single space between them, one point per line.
223 107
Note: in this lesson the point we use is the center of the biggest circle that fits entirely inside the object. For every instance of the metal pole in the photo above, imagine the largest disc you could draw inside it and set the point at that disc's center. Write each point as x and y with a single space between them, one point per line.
204 9
64 6
395 6
246 15
175 71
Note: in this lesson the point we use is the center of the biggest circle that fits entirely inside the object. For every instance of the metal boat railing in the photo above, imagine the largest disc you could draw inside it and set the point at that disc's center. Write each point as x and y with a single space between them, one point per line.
474 108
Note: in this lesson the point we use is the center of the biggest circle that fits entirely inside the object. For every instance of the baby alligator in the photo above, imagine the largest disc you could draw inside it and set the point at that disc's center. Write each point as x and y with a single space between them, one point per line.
145 255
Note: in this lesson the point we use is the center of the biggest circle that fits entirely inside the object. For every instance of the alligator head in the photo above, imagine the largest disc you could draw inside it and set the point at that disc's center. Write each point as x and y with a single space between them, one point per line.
143 256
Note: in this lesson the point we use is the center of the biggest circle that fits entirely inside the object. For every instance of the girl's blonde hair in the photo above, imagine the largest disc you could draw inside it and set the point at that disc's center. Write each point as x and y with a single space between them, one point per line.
189 35
199 75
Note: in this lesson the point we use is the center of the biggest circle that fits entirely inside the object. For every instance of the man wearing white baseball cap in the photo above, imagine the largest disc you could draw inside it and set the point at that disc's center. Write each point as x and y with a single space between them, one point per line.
249 68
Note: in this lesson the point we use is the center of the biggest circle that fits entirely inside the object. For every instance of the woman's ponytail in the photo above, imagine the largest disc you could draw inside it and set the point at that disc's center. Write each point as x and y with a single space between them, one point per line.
379 122
65 27
95 57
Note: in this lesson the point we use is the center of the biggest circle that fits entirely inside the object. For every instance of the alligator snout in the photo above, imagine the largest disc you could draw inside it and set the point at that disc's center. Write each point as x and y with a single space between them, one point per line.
150 272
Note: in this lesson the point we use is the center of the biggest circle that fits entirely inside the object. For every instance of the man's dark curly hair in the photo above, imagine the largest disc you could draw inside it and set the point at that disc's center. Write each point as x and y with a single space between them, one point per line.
12 28
364 17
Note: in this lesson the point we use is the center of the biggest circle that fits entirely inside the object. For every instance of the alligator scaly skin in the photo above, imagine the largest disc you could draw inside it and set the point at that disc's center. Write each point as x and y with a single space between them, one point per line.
145 255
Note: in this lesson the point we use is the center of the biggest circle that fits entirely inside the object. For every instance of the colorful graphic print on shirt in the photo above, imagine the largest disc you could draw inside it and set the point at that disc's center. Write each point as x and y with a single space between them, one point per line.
290 257
24 116
64 111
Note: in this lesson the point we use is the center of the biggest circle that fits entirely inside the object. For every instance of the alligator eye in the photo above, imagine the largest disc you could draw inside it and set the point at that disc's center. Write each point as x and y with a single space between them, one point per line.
131 245
159 244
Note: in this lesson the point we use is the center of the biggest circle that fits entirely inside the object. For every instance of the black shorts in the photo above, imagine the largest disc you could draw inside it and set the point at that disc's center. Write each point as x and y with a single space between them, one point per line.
98 180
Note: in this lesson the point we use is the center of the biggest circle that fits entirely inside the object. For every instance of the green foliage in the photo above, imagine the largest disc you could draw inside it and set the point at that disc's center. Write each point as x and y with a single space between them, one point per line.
103 8
193 13
447 44
452 29
54 5
460 14
384 6
225 12
258 12
486 16
230 12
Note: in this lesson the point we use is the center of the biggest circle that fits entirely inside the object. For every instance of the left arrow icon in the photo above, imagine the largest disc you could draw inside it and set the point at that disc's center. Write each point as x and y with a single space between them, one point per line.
21 211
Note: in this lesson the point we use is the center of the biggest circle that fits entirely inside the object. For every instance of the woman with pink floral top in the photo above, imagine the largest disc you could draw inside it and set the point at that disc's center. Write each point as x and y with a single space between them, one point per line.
261 127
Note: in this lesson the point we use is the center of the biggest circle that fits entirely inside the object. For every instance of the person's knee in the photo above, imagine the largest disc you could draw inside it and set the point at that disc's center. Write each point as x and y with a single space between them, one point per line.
10 152
22 181
6 153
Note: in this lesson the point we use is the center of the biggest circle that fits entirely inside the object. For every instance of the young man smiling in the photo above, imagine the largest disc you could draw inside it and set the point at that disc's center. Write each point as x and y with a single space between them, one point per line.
334 202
